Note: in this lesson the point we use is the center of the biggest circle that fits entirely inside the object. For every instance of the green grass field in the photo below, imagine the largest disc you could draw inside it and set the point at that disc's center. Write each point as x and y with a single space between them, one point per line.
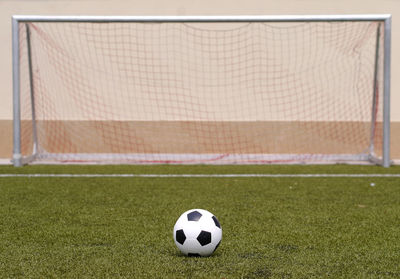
273 227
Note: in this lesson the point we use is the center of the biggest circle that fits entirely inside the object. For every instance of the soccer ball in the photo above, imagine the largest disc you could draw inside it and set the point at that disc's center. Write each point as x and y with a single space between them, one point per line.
197 232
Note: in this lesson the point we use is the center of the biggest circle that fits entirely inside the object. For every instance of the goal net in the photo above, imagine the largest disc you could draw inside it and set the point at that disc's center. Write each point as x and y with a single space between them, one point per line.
199 90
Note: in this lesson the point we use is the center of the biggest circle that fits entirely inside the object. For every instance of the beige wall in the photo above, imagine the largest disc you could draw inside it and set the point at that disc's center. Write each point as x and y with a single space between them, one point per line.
189 7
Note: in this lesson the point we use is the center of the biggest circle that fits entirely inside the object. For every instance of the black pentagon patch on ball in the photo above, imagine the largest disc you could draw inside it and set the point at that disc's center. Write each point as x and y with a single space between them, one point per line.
180 236
216 222
194 216
204 238
217 245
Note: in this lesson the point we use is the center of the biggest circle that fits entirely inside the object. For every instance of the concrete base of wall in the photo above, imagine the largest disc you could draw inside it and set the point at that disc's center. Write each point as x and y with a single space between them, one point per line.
167 130
6 139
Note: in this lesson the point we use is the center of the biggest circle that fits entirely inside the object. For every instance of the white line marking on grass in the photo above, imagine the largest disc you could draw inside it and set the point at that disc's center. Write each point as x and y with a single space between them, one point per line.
199 175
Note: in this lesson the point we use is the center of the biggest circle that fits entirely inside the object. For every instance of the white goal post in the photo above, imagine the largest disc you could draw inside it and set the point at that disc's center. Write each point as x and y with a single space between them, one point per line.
201 89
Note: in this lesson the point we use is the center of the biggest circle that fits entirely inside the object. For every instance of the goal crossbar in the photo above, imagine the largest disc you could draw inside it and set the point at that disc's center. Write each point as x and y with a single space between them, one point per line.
252 18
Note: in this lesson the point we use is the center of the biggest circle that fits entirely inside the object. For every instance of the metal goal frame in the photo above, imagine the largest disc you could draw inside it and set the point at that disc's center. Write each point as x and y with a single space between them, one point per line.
18 159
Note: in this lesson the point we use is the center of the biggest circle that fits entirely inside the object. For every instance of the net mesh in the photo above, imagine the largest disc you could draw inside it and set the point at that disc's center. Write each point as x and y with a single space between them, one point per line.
201 92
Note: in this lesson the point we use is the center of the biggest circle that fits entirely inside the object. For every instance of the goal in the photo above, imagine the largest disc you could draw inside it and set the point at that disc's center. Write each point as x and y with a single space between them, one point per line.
201 89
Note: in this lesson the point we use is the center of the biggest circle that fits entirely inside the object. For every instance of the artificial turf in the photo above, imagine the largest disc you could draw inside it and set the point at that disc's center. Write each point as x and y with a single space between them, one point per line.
273 227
